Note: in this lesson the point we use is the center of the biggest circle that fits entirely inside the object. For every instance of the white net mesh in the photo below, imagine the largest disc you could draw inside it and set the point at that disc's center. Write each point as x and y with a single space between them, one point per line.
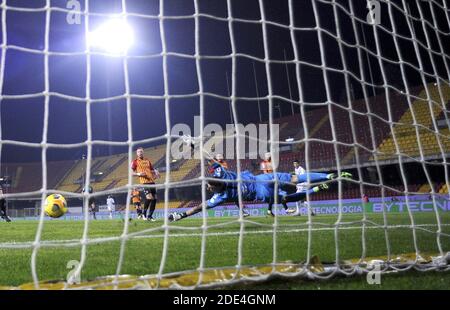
332 41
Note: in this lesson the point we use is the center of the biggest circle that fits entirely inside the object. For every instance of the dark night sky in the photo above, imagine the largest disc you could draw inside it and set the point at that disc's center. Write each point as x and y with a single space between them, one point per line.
22 119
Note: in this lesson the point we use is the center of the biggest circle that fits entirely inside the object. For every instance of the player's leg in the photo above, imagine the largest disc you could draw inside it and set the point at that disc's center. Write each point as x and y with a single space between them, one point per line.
269 208
281 193
280 198
303 205
315 177
242 209
173 217
308 207
2 208
3 213
92 211
218 198
299 196
245 212
264 188
271 203
152 204
93 207
145 210
147 200
298 206
141 211
138 210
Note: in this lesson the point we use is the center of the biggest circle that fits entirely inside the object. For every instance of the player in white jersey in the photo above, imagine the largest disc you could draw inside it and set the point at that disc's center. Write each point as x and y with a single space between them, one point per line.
301 187
110 204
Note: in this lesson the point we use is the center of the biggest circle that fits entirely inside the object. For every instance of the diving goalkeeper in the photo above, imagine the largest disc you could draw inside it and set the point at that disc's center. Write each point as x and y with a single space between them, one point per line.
256 188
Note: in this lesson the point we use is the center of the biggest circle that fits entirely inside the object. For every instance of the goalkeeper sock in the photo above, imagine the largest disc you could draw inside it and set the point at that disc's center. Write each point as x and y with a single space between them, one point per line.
152 208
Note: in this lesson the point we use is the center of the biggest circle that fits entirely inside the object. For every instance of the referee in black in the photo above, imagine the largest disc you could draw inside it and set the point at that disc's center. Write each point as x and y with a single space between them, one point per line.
92 204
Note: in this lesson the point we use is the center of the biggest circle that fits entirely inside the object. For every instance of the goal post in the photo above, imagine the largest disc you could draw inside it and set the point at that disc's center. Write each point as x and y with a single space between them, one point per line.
369 93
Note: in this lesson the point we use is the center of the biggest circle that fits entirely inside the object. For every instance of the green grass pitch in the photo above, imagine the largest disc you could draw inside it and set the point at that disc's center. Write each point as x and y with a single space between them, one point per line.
144 250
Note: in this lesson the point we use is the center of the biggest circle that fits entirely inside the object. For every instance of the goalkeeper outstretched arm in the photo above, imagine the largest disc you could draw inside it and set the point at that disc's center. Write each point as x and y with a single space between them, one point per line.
194 210
218 198
178 216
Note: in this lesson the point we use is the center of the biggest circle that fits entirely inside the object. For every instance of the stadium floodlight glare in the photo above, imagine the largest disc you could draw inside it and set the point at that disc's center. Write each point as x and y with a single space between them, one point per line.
115 36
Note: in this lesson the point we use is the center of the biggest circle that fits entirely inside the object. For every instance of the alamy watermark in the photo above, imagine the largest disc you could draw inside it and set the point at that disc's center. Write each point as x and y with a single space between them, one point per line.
73 17
235 141
374 15
374 275
74 275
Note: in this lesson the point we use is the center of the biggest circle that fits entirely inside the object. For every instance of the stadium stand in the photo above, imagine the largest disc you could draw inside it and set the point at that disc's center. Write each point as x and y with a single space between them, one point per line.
112 171
444 189
406 132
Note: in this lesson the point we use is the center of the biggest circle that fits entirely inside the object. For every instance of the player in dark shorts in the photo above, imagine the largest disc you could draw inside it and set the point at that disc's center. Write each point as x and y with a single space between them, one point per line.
136 200
92 205
143 169
3 213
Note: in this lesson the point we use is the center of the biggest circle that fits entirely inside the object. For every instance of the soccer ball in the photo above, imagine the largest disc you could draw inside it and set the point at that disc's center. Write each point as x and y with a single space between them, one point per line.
55 205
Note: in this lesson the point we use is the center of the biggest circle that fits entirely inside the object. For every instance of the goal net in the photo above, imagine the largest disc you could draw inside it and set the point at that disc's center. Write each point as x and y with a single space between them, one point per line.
340 86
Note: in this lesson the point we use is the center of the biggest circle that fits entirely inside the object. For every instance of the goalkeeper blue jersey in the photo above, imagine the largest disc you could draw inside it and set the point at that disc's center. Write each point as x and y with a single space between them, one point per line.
253 188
